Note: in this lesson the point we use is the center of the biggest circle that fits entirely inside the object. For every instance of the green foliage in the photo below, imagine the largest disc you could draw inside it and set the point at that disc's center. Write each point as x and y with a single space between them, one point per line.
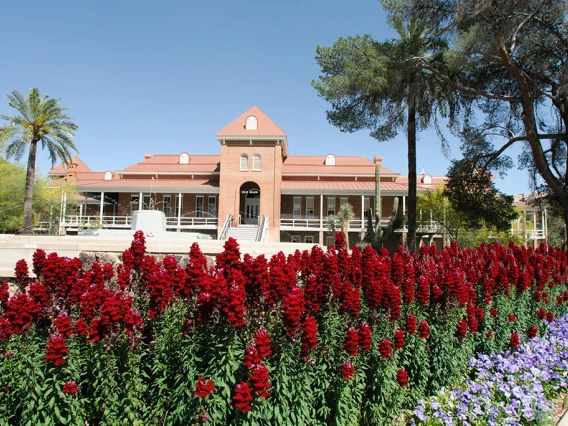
471 192
436 207
46 203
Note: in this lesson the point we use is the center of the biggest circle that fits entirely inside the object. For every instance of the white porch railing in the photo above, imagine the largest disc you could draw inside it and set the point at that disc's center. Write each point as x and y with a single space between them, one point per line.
125 222
192 222
529 234
97 221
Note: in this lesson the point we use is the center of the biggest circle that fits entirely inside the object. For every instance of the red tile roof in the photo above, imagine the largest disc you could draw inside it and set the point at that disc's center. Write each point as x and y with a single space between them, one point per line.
169 163
265 126
148 184
315 164
61 170
348 185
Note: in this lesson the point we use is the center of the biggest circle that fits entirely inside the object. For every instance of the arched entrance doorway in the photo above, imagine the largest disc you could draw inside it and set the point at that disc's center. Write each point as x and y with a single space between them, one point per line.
249 203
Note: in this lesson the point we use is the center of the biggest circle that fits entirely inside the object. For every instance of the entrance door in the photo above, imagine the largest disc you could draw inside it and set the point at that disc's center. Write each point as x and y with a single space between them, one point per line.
249 210
252 208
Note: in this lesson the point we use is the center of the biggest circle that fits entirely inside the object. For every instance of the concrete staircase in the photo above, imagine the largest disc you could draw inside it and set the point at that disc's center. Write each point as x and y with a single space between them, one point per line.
243 233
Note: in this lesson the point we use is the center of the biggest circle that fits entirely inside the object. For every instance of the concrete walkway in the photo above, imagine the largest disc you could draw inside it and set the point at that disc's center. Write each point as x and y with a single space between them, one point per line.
16 247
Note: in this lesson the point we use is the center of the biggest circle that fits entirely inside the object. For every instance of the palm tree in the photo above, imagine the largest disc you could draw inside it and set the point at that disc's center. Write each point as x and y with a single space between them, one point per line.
39 120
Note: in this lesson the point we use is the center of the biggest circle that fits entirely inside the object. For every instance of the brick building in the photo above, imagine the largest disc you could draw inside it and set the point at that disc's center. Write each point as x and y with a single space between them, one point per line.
253 189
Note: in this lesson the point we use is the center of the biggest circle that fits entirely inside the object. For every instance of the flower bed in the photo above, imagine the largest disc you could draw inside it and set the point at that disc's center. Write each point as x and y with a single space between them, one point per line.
511 388
313 338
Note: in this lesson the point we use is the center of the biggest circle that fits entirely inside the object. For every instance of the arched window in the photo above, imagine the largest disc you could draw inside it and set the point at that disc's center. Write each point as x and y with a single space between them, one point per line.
108 175
244 162
427 180
256 162
184 158
252 123
330 160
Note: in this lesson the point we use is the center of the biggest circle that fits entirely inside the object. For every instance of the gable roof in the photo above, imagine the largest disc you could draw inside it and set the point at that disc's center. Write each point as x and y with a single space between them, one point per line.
61 169
265 126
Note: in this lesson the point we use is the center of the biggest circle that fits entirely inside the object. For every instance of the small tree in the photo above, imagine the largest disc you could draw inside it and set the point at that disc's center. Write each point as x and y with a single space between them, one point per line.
46 203
471 192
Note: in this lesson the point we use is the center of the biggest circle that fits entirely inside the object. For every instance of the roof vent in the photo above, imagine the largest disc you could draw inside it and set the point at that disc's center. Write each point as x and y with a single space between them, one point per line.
422 172
108 175
184 158
252 123
330 160
148 155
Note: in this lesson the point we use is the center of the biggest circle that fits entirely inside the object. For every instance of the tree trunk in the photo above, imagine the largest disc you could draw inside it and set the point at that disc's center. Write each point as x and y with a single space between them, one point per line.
411 235
29 191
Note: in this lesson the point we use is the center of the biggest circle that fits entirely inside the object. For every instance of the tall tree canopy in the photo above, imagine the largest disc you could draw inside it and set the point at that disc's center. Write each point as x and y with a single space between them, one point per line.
379 86
40 120
509 59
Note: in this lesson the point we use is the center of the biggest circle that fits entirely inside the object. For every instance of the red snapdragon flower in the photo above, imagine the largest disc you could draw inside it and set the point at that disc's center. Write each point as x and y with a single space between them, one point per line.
541 313
259 380
56 349
63 323
251 357
385 349
365 336
489 335
423 330
262 343
461 331
347 369
410 323
309 335
402 378
532 331
242 397
203 387
493 311
511 318
351 342
293 309
70 387
549 316
22 273
515 340
398 339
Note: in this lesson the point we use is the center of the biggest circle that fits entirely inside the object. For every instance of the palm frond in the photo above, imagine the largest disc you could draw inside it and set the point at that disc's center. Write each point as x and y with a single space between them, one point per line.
16 148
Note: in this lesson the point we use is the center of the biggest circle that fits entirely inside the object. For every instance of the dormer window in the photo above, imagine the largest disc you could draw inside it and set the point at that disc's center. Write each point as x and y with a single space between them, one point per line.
244 162
184 158
427 180
256 162
252 123
330 160
108 175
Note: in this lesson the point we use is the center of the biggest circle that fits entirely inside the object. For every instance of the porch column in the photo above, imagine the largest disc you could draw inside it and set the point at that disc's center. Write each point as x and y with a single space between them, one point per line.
101 209
179 208
403 205
321 211
140 201
545 225
362 211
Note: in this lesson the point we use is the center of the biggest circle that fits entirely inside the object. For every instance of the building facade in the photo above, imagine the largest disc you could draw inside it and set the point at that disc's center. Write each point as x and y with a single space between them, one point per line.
253 189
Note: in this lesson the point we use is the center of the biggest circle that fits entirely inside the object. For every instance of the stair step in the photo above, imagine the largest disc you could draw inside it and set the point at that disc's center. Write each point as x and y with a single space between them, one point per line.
243 233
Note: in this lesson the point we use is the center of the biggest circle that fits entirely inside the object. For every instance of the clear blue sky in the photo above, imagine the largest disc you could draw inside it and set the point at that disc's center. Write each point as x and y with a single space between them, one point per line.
164 77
